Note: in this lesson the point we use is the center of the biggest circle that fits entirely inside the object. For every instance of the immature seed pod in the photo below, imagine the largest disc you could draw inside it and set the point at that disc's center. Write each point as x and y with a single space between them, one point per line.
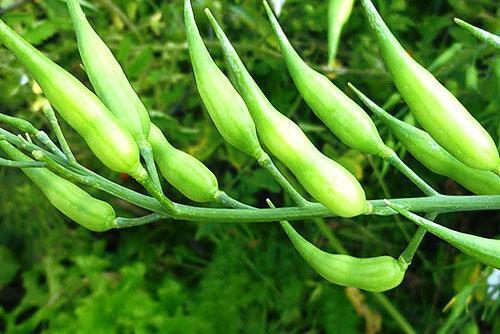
341 115
482 35
328 182
425 149
225 106
107 77
84 112
376 274
71 200
434 107
338 15
186 173
485 250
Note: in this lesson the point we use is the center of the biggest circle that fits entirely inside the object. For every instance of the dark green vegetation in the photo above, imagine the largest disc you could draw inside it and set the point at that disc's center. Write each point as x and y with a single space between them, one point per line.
203 277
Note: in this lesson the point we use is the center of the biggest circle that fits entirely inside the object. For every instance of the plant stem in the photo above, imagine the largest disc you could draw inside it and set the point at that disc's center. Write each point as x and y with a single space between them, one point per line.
227 201
394 160
122 222
410 250
266 163
51 116
437 204
147 155
26 126
21 164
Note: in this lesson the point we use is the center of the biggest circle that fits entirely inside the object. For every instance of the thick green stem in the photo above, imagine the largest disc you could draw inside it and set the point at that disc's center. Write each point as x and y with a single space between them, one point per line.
51 116
145 180
266 163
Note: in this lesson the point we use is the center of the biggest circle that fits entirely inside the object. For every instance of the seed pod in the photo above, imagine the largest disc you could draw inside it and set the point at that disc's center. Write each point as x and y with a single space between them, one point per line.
434 107
338 15
485 250
376 274
224 105
107 77
328 182
480 34
71 200
434 157
341 115
84 112
186 173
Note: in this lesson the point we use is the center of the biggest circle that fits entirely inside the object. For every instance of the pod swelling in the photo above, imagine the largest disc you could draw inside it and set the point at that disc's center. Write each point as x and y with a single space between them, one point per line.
327 181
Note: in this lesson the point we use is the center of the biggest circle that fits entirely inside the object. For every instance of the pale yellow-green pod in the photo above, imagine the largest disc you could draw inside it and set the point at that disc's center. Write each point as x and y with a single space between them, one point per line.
71 200
376 274
107 77
223 103
434 107
186 173
103 132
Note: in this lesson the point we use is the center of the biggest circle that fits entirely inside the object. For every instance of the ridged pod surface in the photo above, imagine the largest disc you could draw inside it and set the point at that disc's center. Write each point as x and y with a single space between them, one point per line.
71 200
434 107
327 181
348 121
183 171
223 103
376 274
107 138
107 77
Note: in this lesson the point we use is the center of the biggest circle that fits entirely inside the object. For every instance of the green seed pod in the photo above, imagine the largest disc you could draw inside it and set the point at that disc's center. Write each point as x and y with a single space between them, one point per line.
338 15
107 77
425 149
483 249
340 114
376 274
71 200
328 182
434 107
186 173
225 106
84 112
480 34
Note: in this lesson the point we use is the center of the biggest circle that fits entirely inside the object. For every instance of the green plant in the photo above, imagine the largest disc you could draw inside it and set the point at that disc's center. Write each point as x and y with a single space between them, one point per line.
205 216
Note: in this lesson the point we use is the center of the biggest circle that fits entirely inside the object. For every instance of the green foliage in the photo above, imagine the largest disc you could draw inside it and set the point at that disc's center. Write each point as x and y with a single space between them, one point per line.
210 278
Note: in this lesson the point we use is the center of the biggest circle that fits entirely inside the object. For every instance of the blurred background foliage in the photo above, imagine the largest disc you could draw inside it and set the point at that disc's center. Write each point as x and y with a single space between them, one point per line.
179 277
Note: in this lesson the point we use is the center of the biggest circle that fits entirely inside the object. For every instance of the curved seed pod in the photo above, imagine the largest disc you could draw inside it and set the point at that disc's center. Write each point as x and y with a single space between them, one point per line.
377 274
338 14
482 35
186 173
107 77
328 182
71 200
84 112
485 250
341 115
434 157
434 107
225 106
